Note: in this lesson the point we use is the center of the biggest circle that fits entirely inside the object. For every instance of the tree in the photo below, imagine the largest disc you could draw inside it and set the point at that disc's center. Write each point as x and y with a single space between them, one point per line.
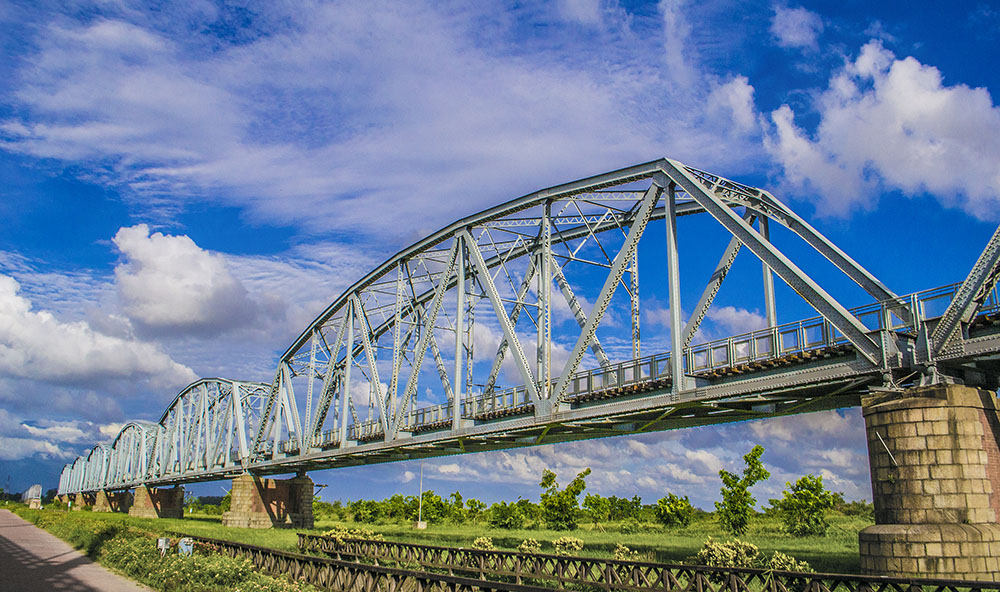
737 502
474 509
673 510
803 508
559 507
598 507
506 516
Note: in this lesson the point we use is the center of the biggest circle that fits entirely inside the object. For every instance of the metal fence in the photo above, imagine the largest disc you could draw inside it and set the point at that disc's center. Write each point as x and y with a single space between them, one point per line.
610 574
349 576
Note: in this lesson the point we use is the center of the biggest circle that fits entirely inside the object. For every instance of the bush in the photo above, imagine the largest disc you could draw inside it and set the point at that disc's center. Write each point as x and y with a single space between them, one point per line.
483 544
673 510
506 516
781 562
734 553
530 546
737 503
630 526
559 508
567 545
803 508
623 553
340 533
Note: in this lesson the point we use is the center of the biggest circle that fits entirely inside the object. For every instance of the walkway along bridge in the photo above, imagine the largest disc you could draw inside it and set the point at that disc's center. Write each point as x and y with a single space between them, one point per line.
351 389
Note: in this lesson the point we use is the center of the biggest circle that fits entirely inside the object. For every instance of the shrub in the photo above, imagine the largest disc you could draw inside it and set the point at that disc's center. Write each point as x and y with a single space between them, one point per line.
623 553
673 510
483 544
530 546
567 545
803 508
340 533
734 553
559 508
737 503
630 526
781 562
506 516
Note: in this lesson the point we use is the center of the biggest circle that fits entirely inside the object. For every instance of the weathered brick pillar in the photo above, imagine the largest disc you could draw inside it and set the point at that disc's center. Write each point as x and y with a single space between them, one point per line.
35 503
158 502
935 468
112 501
82 500
267 503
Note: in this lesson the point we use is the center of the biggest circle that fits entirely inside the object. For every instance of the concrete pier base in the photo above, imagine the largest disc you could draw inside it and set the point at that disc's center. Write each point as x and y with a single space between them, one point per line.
158 502
935 466
112 501
35 503
270 503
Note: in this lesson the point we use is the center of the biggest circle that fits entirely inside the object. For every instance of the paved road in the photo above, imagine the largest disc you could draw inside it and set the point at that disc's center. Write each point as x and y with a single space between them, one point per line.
34 560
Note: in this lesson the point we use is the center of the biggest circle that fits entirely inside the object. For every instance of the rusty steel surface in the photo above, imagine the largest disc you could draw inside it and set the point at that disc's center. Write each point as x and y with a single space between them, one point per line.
610 574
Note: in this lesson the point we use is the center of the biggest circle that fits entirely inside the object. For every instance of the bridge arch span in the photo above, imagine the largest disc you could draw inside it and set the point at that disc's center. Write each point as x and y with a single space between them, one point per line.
522 324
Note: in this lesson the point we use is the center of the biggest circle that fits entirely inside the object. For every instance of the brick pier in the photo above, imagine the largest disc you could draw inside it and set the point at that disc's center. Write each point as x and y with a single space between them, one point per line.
935 467
267 503
158 502
112 501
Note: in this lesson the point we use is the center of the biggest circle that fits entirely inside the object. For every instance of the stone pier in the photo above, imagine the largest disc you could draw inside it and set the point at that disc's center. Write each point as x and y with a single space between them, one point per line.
82 500
935 468
158 502
112 501
267 503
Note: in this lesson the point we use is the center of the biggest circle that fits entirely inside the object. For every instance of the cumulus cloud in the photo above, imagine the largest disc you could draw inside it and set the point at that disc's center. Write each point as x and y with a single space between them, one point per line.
38 346
169 283
735 321
796 27
887 123
389 110
49 439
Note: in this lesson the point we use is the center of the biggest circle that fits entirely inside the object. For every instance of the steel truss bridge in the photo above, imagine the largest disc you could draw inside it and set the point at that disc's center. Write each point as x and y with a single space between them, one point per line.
356 387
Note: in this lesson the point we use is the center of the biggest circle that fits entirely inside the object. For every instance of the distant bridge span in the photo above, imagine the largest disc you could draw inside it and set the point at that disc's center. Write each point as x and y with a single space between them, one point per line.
351 389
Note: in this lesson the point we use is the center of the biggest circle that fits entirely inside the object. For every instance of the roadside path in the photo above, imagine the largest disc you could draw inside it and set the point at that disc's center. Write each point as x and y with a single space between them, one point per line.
34 560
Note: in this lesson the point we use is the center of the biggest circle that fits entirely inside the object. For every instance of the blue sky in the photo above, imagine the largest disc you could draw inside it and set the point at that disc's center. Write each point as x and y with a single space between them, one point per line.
186 186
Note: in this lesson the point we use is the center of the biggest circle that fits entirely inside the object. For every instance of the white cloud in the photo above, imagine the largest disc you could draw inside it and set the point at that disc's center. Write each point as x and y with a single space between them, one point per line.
888 123
733 102
407 477
736 321
390 108
170 283
38 346
796 27
449 469
587 12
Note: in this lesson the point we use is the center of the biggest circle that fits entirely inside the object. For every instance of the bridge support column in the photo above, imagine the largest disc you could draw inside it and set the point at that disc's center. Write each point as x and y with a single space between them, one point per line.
158 502
113 501
81 500
935 466
267 503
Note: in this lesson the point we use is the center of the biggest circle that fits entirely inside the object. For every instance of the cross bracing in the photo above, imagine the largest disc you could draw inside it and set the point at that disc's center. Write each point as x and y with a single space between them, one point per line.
522 325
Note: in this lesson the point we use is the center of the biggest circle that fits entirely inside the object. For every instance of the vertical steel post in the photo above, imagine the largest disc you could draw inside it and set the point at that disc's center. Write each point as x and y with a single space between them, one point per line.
345 391
456 399
544 303
634 289
772 313
309 390
674 285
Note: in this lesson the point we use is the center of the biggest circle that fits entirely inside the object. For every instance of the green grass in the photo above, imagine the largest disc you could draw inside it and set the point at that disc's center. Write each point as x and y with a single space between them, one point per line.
836 552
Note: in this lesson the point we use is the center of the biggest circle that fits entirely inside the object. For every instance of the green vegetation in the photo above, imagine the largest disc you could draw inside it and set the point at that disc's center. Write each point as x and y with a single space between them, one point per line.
131 551
559 507
737 502
803 509
674 511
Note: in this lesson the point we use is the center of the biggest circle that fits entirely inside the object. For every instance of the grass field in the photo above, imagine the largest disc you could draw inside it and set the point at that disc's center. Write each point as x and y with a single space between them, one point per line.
835 552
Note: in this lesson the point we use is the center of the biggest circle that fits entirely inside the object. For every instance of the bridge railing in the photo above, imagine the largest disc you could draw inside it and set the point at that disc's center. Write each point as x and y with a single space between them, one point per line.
904 314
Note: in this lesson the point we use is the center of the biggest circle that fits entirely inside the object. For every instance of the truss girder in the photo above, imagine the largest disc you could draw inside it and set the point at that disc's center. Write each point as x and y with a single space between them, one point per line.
969 297
486 281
